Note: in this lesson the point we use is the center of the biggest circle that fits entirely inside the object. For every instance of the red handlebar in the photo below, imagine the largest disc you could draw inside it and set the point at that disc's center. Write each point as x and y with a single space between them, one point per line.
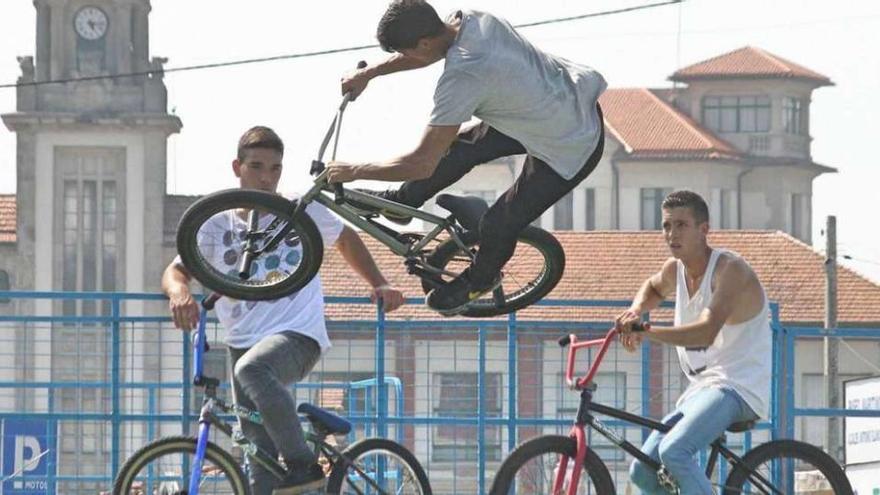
574 345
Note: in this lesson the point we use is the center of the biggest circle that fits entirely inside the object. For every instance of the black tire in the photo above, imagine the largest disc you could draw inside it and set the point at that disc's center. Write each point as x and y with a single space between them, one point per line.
235 481
741 479
416 479
522 461
528 289
304 231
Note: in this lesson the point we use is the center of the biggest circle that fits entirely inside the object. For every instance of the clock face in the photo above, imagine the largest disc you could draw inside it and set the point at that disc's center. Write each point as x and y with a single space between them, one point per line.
90 23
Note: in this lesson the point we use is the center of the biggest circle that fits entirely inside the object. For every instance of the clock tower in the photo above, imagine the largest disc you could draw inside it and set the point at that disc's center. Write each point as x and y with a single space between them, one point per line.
91 133
91 139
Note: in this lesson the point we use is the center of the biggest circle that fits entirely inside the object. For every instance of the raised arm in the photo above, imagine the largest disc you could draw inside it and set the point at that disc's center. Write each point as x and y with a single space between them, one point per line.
357 81
417 164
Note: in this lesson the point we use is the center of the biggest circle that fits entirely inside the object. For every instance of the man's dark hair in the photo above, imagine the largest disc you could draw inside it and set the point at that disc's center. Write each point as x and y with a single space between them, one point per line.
688 199
259 137
405 22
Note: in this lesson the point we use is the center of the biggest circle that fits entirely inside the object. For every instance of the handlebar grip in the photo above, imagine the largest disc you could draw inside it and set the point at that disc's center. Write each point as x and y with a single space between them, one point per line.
244 269
340 193
564 341
641 327
208 302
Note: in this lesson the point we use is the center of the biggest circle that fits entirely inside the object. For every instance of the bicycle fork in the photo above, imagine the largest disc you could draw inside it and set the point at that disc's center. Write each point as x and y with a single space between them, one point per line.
195 476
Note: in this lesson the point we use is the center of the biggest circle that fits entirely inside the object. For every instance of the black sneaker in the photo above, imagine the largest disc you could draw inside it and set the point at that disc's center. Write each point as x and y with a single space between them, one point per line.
302 481
454 297
390 215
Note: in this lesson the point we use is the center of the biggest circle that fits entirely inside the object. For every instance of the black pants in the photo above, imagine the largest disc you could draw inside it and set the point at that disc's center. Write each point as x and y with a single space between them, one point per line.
536 189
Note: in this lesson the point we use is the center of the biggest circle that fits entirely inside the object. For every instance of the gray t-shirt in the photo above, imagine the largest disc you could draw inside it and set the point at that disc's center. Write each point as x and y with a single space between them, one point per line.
546 103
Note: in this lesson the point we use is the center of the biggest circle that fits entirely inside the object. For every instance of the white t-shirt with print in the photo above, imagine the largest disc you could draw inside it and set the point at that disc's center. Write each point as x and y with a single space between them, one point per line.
247 322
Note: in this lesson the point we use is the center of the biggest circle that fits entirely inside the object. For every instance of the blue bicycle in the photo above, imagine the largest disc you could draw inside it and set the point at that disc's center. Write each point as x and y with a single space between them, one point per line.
182 465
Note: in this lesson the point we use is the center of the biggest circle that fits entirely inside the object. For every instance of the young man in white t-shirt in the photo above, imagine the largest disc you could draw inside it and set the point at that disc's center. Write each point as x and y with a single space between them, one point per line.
273 343
723 338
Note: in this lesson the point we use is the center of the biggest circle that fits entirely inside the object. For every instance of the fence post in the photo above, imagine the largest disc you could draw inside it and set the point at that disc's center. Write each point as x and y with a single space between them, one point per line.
114 384
481 410
382 392
511 381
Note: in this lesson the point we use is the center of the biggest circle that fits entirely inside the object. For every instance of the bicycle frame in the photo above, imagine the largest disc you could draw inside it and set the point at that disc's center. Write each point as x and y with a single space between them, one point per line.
584 419
320 193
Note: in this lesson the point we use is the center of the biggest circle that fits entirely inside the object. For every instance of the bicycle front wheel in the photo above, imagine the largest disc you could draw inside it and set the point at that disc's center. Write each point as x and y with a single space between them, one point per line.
536 267
213 232
378 466
532 467
164 467
789 467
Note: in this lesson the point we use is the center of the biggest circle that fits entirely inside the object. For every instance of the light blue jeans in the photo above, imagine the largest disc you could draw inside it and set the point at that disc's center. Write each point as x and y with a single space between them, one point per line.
698 422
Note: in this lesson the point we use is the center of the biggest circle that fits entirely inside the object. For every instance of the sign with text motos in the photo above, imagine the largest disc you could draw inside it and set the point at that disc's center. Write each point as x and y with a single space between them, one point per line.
28 456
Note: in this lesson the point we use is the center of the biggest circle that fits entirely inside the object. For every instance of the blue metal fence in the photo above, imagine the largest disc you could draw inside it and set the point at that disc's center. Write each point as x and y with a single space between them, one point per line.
523 371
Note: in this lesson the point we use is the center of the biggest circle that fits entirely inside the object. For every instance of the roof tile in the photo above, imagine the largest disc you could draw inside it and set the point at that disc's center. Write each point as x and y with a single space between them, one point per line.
611 265
748 62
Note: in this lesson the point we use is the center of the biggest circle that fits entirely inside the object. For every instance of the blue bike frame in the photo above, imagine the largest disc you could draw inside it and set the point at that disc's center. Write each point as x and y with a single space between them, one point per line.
204 424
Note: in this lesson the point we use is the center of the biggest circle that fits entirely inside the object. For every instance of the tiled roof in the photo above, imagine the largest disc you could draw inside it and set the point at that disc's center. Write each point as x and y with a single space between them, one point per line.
7 218
649 127
748 62
611 265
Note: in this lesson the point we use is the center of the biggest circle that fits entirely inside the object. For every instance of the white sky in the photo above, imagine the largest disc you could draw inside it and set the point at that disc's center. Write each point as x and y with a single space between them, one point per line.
297 97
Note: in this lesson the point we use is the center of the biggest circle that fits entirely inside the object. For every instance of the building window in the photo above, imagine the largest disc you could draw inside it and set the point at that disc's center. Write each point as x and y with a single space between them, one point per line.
726 214
797 215
563 212
589 209
457 395
652 201
737 113
90 224
793 116
90 242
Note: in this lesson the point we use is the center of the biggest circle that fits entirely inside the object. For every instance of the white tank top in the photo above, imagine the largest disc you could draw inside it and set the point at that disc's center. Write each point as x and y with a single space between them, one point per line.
741 355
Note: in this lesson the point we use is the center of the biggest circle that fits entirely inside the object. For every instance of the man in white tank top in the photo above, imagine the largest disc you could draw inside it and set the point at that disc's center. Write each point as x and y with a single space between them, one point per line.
723 338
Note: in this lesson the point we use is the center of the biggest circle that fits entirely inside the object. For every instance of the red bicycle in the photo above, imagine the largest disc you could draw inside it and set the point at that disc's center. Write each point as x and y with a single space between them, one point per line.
555 464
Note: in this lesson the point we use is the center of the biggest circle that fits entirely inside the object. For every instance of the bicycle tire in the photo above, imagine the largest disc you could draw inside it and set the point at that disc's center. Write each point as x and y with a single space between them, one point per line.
594 468
201 268
787 449
337 481
179 445
551 271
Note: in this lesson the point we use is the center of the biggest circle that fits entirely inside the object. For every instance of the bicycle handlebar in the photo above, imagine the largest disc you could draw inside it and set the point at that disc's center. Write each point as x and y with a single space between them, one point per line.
571 340
333 131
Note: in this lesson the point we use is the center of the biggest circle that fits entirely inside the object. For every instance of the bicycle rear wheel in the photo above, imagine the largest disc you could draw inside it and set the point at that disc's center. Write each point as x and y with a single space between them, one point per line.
534 270
787 467
163 467
213 231
531 469
378 463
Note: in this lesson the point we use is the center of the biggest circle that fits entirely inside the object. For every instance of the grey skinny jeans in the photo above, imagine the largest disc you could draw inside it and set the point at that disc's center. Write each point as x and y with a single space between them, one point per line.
260 377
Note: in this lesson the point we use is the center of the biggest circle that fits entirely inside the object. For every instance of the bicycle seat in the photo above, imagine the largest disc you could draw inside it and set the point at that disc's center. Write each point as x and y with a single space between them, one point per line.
741 426
466 209
324 419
